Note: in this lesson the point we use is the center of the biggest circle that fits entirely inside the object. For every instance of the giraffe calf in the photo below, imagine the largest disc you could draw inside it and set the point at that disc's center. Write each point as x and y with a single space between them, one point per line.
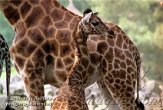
71 95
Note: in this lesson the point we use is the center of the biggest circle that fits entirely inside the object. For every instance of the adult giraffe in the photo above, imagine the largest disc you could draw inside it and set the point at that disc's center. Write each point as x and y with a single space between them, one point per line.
43 51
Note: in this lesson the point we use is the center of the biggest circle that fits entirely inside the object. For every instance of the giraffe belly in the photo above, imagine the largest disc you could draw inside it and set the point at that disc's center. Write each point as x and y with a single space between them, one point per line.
92 77
53 76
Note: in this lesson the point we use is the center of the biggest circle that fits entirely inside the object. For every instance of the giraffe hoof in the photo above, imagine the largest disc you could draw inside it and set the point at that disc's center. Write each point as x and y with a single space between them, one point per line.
9 108
140 105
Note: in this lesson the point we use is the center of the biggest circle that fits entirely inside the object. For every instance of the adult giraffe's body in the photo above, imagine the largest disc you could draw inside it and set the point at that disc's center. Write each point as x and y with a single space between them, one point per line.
43 51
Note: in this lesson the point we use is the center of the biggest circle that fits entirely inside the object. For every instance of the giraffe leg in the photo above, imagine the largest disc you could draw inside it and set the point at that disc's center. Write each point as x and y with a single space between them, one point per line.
108 99
34 86
123 94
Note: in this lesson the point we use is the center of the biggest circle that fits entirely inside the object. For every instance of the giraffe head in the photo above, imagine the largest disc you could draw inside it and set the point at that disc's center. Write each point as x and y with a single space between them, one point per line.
92 24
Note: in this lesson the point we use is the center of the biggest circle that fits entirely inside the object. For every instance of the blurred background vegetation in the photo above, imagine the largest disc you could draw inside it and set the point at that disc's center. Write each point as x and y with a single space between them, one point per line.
142 20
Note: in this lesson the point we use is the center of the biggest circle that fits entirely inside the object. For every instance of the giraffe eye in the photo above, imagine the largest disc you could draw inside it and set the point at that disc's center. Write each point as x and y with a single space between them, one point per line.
94 23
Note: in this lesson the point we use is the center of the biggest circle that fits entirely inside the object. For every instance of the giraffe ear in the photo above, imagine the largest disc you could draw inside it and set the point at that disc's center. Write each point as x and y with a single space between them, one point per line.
87 17
86 11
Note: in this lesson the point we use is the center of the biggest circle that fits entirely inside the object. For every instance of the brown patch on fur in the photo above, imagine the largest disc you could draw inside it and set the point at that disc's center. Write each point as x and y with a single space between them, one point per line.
34 1
56 4
117 81
11 14
20 62
16 3
84 62
128 81
128 54
46 21
34 17
65 50
69 67
117 86
119 54
91 69
128 61
47 5
24 9
75 20
26 81
53 47
50 60
109 57
110 67
68 17
57 15
129 70
48 32
63 36
61 75
20 34
102 47
25 48
46 47
119 41
29 67
68 61
32 85
61 25
111 42
109 79
59 64
80 68
129 88
72 26
91 46
125 46
104 64
95 58
117 61
116 66
120 74
84 51
39 58
36 36
123 65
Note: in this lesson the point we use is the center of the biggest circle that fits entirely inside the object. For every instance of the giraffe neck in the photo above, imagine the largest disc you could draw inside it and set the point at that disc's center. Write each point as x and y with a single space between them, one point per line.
30 11
75 75
80 42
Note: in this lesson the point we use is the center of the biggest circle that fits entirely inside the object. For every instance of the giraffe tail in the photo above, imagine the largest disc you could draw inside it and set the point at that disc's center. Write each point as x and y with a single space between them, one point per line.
8 74
139 104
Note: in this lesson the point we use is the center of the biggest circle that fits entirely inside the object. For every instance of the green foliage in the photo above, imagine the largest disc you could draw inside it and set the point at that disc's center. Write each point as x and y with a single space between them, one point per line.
157 37
63 2
13 72
6 29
